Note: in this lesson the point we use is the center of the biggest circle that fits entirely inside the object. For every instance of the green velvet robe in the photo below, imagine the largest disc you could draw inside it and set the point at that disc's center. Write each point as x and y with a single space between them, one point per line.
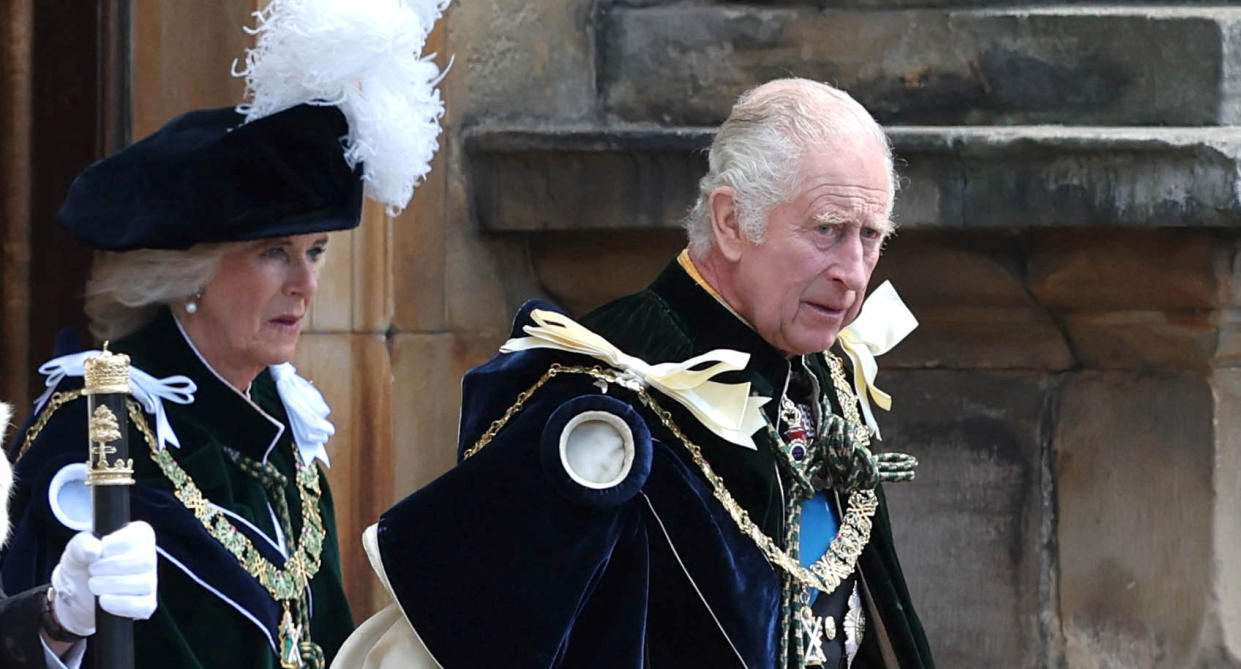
211 612
675 319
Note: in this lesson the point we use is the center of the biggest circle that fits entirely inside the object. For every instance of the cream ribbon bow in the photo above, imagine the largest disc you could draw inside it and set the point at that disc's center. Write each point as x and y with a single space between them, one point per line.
727 409
882 324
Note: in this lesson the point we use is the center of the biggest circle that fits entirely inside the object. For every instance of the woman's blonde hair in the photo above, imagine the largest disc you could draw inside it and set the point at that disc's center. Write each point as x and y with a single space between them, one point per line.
126 289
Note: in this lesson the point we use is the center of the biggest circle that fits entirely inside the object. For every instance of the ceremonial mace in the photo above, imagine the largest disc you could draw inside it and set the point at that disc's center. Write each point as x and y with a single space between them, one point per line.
110 472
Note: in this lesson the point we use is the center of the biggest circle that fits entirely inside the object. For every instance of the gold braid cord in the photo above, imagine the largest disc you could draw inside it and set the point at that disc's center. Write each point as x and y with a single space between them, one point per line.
58 400
826 574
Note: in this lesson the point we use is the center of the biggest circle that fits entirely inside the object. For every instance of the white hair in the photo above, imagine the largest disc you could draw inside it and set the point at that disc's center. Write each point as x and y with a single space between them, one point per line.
126 289
758 150
6 474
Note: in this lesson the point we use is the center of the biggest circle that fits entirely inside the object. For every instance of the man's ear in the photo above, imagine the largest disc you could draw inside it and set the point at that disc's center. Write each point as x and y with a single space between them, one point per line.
725 227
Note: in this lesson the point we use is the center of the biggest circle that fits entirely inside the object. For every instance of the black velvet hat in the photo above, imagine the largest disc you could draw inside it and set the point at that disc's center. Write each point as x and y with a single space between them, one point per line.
206 177
340 104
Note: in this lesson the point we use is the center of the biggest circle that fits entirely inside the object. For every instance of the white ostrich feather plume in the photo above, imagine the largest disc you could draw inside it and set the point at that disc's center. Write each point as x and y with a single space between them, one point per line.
365 57
6 474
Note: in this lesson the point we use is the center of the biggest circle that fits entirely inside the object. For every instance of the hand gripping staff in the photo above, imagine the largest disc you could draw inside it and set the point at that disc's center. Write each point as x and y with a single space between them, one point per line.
110 472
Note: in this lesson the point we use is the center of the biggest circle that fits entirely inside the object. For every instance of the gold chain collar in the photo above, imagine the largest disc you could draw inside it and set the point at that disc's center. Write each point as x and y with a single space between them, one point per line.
300 567
848 401
286 585
826 574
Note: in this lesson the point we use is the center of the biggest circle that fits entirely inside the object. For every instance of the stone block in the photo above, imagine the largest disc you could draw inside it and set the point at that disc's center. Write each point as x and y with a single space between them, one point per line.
527 179
685 64
1224 633
332 308
889 4
582 270
982 338
418 257
1139 339
1049 176
530 179
355 284
934 268
1131 269
1230 107
485 277
967 529
372 271
1228 347
530 59
1224 637
417 235
1232 282
353 373
427 370
1138 298
973 309
182 54
1134 469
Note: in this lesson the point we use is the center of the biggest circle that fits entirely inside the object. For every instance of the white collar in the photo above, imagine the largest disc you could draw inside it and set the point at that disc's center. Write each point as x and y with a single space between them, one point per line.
307 409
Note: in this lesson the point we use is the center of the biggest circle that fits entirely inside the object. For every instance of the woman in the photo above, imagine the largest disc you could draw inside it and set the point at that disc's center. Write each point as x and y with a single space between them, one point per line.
42 627
210 237
244 444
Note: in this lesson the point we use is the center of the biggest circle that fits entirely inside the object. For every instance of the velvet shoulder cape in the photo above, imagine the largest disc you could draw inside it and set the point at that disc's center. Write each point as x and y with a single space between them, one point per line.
199 579
506 561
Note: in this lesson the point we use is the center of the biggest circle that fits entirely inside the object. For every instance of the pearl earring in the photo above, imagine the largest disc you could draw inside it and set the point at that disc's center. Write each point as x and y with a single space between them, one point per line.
191 307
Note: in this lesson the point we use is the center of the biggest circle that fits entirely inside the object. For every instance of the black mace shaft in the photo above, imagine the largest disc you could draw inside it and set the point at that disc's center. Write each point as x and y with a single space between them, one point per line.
110 474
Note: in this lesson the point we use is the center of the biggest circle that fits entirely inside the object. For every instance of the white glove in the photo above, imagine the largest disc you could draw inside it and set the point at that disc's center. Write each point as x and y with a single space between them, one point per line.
120 570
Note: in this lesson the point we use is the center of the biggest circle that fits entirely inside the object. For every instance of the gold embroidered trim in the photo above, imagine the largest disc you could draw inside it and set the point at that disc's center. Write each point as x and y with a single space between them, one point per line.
826 574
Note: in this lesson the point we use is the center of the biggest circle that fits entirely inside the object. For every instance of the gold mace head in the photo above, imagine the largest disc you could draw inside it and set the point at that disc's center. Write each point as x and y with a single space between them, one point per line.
107 373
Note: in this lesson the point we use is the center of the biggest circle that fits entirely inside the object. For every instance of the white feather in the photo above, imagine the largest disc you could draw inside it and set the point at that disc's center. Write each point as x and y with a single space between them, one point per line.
6 473
365 57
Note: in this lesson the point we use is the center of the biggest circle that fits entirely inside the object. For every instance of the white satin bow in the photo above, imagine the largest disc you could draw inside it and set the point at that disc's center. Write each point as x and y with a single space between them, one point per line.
882 324
727 409
308 413
148 390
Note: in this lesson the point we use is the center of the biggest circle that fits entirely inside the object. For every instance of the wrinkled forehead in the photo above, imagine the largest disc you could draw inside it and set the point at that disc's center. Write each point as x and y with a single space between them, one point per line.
873 217
850 179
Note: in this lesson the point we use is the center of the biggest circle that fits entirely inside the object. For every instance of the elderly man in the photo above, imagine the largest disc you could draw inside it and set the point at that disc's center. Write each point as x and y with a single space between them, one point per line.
610 511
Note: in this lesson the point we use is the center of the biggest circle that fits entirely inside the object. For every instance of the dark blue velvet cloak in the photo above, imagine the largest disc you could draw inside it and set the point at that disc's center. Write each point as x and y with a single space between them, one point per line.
504 561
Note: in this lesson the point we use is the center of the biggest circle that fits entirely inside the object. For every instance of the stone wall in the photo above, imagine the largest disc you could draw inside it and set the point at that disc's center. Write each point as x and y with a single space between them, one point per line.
1069 212
1070 243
